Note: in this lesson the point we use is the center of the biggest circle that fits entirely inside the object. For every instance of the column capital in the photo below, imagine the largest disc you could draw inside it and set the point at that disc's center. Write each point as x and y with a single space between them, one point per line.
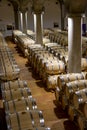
74 15
23 10
37 10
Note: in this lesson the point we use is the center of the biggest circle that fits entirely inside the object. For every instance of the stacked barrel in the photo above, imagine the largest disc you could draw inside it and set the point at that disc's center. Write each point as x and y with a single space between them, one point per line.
58 37
45 64
16 33
71 92
31 34
84 47
50 63
25 40
22 42
58 51
20 107
39 58
61 37
61 52
9 71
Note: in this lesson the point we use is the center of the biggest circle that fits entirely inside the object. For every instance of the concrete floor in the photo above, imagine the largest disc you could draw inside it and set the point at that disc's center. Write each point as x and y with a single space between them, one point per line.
54 116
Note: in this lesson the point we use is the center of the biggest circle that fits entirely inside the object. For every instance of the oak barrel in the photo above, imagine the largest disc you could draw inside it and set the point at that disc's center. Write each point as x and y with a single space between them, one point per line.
65 78
16 94
13 85
81 121
79 97
71 112
9 69
41 128
51 81
25 120
56 67
73 86
57 93
21 104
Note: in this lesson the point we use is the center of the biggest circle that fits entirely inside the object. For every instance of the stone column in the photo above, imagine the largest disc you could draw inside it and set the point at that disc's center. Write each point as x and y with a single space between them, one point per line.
38 27
34 16
74 43
23 20
20 21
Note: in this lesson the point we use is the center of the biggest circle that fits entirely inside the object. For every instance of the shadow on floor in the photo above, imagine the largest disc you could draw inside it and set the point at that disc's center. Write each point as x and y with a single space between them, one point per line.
69 125
9 39
60 113
3 125
19 52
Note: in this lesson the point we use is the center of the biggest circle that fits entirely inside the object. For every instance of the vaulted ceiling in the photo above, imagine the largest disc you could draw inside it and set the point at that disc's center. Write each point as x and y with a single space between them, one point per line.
73 6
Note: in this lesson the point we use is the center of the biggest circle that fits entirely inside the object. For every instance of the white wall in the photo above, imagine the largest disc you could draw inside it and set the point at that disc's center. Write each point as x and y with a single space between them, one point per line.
51 15
6 16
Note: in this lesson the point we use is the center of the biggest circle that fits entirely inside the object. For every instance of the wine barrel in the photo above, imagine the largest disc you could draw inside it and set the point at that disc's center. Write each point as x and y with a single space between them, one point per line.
65 78
60 53
82 110
54 48
74 86
39 59
64 58
45 40
24 40
65 41
57 94
41 128
38 52
50 49
58 39
64 101
61 40
8 68
51 81
13 85
32 47
25 120
35 52
52 38
44 76
56 52
84 64
2 40
78 118
55 67
81 122
21 104
16 94
47 45
79 97
40 55
71 112
46 60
